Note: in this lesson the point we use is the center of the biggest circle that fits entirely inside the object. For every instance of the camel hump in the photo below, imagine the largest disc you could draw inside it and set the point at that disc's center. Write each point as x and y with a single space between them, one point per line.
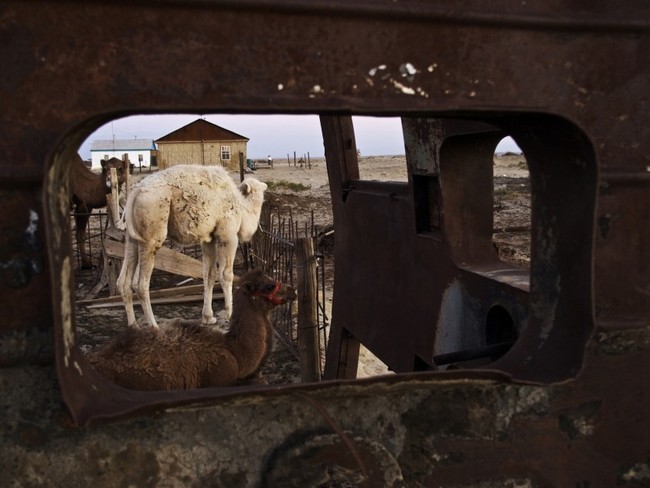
147 209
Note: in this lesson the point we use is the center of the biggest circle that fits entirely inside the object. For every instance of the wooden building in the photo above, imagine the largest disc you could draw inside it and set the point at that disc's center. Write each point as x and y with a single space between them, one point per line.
201 142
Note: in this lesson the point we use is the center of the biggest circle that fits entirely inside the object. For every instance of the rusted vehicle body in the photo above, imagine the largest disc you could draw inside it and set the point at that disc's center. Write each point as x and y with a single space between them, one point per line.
562 400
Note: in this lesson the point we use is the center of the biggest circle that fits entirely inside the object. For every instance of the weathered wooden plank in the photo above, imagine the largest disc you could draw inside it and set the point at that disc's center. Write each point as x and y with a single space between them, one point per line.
163 292
157 301
166 260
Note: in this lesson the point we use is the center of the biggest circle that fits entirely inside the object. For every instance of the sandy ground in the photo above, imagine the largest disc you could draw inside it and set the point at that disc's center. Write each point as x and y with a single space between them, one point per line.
95 326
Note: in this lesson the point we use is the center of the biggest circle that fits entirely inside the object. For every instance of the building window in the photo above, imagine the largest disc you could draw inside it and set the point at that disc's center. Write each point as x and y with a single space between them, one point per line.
225 153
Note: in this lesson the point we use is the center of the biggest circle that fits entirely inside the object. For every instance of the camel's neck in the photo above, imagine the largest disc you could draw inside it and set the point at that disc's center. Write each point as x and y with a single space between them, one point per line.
87 186
250 220
247 336
249 316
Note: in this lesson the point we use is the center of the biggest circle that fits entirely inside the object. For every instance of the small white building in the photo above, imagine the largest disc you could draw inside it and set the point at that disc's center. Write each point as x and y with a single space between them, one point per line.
140 151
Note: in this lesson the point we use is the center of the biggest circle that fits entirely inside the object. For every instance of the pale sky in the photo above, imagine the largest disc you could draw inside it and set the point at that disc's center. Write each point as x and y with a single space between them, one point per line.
277 135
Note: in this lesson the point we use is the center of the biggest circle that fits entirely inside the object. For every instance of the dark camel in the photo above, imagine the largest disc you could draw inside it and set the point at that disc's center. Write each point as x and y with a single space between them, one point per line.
88 191
183 355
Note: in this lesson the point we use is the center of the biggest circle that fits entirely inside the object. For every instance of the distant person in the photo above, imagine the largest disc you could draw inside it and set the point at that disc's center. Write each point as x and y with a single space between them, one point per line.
270 160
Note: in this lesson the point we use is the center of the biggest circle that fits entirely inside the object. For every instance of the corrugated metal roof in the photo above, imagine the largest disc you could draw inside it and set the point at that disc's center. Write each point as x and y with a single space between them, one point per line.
122 145
201 130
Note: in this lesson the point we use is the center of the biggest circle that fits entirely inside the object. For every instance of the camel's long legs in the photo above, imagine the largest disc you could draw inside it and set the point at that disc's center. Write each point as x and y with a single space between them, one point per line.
226 251
125 280
209 278
146 259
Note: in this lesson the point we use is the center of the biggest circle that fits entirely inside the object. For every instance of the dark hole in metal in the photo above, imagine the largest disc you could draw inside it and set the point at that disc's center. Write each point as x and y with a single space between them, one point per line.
426 191
499 326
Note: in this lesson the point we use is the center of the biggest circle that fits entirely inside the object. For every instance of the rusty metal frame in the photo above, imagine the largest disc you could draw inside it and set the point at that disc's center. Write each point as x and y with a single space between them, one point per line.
453 267
569 81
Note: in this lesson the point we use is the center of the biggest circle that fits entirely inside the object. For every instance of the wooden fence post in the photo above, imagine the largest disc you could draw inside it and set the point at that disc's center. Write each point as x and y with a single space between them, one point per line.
114 200
127 179
111 265
308 346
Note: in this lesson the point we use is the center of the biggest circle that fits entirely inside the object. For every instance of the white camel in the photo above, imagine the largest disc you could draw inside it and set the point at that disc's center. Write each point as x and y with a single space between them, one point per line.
190 205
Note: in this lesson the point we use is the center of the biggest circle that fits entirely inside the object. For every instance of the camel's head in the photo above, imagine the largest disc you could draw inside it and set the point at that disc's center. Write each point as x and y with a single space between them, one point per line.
256 284
253 192
121 167
253 189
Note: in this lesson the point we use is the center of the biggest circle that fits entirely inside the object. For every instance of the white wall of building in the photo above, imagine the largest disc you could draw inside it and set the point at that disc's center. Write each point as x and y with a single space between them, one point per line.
134 157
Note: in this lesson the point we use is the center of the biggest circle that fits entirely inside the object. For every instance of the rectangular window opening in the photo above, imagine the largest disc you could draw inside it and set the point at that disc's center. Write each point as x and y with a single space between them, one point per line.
225 153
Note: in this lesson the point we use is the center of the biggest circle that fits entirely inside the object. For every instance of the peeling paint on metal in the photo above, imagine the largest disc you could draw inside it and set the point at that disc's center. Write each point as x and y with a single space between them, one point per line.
66 310
638 472
28 262
404 89
525 400
32 227
373 71
580 422
408 71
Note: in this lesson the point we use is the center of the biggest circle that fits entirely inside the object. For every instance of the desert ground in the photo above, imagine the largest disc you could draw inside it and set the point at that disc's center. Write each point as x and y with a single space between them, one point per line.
305 191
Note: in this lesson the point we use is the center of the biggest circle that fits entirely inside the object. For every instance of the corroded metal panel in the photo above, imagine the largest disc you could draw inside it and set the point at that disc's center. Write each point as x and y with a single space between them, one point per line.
569 82
447 275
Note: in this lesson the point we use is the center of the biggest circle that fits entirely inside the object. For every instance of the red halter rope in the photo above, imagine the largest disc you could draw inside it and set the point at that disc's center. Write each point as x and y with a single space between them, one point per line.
271 297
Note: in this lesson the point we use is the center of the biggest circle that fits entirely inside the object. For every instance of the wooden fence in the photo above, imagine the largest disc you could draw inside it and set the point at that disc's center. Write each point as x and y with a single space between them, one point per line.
278 248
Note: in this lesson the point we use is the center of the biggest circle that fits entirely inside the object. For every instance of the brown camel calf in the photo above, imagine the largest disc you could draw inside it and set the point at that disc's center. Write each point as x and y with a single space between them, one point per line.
183 355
